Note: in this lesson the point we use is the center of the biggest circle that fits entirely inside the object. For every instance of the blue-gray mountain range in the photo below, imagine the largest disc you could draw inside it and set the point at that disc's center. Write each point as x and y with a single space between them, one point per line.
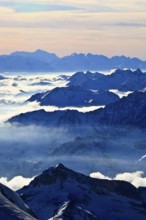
43 61
128 111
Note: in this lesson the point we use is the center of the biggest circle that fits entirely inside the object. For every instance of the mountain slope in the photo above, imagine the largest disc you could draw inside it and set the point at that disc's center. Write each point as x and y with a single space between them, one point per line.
123 80
61 193
67 118
128 111
74 96
12 207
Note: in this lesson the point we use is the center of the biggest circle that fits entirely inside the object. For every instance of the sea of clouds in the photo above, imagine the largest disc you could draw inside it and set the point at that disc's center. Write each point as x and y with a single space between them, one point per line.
25 151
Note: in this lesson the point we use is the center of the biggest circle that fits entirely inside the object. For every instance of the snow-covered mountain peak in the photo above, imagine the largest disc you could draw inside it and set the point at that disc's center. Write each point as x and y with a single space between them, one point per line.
56 174
64 175
61 193
59 166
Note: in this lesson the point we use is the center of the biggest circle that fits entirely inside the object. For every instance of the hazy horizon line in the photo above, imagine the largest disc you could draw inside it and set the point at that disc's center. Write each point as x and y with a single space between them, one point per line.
73 53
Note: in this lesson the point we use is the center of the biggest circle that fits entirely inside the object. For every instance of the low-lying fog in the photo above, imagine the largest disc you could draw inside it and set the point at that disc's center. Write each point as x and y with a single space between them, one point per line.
15 90
27 151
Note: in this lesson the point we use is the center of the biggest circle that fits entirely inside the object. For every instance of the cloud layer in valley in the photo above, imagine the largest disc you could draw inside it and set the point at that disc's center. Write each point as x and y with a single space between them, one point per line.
15 183
136 178
29 150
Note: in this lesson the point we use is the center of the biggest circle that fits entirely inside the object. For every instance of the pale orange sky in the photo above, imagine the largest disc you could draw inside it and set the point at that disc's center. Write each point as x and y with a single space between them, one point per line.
95 26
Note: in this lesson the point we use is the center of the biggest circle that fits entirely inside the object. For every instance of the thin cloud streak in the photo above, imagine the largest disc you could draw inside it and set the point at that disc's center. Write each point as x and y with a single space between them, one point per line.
34 7
93 5
74 26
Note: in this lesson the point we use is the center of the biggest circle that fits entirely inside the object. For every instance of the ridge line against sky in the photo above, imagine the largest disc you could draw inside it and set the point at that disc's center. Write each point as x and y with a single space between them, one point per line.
71 54
93 26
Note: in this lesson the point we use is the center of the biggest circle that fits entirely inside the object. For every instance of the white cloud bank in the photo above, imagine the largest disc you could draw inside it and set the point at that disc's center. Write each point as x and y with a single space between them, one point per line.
16 183
98 175
135 178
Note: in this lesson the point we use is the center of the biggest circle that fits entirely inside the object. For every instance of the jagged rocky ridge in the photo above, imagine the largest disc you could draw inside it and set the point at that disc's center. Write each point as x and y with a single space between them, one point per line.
92 89
44 61
74 96
61 193
128 111
123 80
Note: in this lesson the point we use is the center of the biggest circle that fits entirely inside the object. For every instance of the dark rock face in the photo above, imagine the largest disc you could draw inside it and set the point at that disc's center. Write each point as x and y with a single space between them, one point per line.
128 111
63 174
67 118
73 212
74 96
123 80
142 191
63 193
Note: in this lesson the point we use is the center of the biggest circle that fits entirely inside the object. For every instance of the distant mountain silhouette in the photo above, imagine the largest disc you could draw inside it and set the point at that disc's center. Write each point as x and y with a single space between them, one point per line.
43 61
